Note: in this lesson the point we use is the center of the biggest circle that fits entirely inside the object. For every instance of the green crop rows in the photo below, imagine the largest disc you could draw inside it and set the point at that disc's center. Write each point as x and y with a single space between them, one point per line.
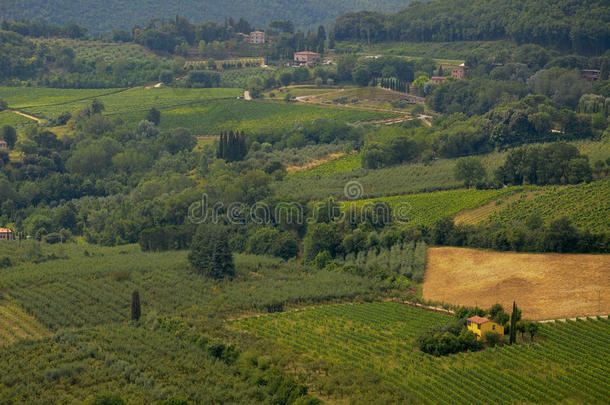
37 98
95 288
203 111
209 118
427 208
143 365
95 50
568 361
121 102
587 205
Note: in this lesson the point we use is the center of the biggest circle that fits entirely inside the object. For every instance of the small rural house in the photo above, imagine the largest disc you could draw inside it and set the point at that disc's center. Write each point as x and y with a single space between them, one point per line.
480 326
3 145
6 234
438 79
306 58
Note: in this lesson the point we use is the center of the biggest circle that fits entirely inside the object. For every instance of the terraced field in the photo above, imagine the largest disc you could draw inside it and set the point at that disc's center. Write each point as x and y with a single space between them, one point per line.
16 324
567 362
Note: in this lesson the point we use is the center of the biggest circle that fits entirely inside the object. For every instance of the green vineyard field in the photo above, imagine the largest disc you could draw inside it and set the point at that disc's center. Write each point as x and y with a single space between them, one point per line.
587 205
568 362
427 208
16 324
94 288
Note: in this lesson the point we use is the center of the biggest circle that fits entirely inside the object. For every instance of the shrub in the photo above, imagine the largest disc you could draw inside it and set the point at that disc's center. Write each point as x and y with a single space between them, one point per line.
275 306
5 262
210 253
492 338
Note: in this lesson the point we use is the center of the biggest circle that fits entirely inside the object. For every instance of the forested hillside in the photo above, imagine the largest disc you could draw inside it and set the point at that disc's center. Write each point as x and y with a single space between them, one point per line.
100 15
577 25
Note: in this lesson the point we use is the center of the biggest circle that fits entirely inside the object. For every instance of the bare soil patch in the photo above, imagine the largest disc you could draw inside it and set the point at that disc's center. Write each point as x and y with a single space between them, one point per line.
315 162
545 286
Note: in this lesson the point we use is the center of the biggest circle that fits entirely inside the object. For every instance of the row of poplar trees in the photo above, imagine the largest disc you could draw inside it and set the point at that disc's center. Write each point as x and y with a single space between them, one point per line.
232 146
393 84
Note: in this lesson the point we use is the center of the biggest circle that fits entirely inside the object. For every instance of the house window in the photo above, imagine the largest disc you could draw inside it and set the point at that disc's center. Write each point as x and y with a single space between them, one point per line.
493 327
479 326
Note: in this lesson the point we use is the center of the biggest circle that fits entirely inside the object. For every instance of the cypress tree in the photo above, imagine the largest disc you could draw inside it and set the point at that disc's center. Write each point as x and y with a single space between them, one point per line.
136 311
604 70
513 325
221 146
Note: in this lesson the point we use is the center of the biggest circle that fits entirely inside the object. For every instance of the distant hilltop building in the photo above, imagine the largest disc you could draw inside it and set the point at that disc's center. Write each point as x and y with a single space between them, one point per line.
590 75
256 37
459 72
3 145
6 234
306 58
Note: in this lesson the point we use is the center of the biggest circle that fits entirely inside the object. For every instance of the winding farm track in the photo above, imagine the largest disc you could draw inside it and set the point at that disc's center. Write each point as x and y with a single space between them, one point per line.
38 120
405 116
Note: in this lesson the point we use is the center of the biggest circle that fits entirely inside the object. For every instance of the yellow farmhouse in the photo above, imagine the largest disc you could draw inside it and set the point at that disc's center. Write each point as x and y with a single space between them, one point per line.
480 326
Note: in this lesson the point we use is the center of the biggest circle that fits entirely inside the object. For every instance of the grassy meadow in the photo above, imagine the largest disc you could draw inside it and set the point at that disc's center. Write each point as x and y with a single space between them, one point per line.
203 111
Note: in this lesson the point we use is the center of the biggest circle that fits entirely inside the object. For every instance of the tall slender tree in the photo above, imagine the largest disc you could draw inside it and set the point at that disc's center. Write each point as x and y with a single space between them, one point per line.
513 324
136 310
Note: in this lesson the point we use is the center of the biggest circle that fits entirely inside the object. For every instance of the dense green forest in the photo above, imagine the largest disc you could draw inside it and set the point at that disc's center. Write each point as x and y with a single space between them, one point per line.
99 16
579 26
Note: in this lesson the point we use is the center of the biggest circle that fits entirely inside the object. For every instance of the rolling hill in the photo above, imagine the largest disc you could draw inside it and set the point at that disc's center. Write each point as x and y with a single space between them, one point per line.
100 15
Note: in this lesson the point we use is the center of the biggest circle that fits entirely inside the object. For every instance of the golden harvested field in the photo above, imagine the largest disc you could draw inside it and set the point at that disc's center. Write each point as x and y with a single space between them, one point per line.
545 286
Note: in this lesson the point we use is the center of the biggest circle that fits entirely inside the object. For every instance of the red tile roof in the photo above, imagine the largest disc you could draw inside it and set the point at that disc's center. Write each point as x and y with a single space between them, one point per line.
478 320
306 53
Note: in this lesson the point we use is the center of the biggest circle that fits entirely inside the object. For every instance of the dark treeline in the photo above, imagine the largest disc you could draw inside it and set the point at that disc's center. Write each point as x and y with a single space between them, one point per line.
560 236
39 29
175 36
232 146
577 25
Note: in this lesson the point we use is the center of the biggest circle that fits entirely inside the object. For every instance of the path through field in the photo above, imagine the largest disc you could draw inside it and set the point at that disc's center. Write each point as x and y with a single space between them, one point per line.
38 120
405 116
545 286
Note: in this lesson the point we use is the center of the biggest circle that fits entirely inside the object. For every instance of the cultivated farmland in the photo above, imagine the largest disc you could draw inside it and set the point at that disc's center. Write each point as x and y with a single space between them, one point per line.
545 286
16 324
427 208
567 362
